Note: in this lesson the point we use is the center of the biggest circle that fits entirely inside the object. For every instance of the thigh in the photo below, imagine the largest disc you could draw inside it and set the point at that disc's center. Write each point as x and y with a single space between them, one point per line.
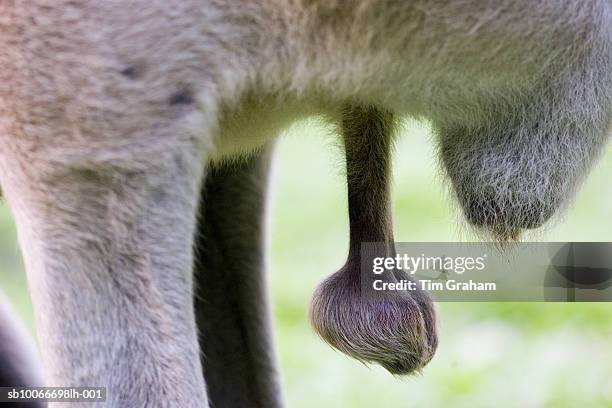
232 305
104 182
109 264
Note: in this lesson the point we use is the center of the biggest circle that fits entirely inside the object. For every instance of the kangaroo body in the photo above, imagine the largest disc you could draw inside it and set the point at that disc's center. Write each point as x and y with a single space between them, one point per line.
121 120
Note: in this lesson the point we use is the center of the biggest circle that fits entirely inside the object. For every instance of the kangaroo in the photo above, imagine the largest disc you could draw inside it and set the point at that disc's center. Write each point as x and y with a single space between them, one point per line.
135 139
396 330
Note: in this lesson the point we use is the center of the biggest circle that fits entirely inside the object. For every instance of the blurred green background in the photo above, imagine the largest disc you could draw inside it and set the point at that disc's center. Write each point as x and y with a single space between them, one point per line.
490 354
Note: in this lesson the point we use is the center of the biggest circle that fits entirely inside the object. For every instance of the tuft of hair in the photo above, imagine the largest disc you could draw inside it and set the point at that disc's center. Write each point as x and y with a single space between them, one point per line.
395 329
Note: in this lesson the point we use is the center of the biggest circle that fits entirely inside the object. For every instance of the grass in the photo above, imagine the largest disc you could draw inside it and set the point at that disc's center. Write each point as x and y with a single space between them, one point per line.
490 354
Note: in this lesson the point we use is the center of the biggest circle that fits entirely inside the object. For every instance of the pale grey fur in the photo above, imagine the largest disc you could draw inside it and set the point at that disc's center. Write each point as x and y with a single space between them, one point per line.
111 110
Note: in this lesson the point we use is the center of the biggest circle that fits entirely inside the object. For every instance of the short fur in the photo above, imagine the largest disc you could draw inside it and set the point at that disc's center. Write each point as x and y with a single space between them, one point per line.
110 112
396 330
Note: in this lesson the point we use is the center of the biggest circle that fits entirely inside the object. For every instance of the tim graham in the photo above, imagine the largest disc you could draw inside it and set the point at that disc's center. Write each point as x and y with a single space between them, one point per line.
425 284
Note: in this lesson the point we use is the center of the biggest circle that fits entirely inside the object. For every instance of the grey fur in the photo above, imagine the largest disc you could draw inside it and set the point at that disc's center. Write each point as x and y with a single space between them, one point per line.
397 329
232 306
111 110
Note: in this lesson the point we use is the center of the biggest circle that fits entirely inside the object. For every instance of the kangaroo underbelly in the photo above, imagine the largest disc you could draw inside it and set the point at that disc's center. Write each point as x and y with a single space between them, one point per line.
255 121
